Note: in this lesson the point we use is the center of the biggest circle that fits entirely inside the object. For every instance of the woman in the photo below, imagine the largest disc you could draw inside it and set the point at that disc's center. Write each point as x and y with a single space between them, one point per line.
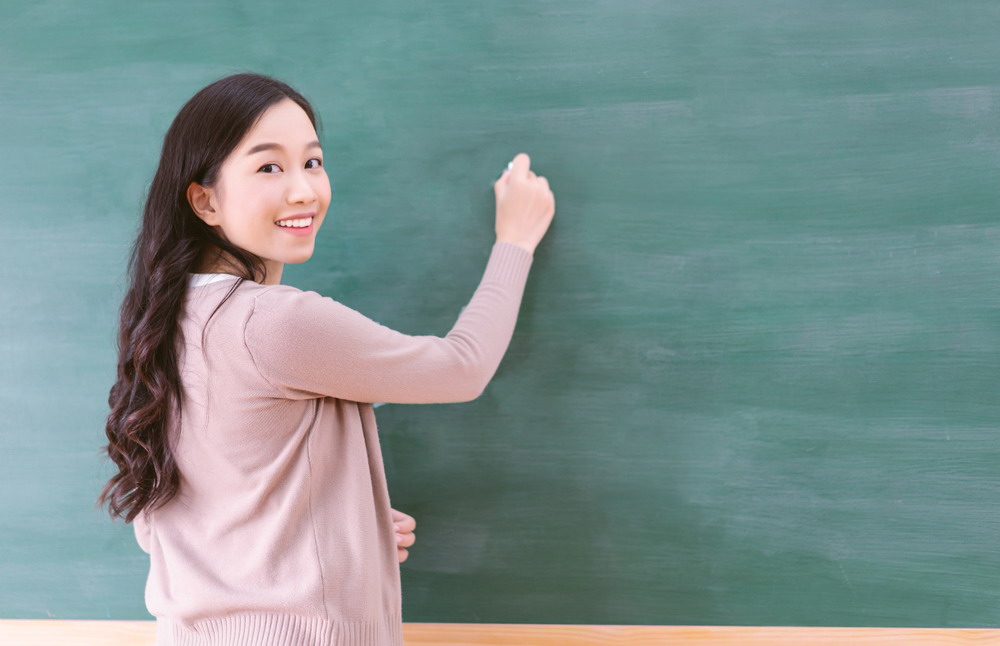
241 420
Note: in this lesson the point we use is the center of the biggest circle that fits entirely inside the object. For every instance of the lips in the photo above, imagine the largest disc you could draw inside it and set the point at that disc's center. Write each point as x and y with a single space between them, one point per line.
297 216
300 224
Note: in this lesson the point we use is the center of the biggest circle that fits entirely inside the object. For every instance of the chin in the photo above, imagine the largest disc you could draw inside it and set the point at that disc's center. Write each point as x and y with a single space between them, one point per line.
298 259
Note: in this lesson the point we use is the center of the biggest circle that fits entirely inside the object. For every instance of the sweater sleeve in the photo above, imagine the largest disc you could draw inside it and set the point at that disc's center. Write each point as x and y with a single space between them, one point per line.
307 345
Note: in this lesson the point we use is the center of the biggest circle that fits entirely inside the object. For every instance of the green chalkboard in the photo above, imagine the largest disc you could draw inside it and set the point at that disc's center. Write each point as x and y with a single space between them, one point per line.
754 380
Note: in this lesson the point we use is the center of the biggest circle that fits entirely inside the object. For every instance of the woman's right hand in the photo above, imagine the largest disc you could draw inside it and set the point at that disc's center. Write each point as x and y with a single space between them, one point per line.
525 205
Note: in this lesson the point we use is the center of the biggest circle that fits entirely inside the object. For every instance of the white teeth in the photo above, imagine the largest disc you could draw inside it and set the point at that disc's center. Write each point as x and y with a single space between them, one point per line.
304 222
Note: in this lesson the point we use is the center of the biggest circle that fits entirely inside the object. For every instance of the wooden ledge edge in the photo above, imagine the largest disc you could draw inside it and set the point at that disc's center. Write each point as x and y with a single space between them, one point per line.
89 632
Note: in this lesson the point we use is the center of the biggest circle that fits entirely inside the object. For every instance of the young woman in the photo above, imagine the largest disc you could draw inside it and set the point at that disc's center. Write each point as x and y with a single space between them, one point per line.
241 419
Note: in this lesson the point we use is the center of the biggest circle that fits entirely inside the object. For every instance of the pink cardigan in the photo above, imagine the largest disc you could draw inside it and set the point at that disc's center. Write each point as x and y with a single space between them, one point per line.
281 532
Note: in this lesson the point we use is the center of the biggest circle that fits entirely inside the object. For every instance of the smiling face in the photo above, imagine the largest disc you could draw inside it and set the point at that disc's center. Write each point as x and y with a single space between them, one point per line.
272 192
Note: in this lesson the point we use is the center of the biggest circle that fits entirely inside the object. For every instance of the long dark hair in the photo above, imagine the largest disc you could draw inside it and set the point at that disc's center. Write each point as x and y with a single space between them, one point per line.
172 241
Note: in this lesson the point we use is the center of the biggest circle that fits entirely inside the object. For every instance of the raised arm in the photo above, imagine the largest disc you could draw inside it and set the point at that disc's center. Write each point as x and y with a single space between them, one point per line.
307 345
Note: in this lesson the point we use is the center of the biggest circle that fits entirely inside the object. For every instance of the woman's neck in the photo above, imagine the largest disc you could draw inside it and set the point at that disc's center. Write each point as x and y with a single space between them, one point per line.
223 263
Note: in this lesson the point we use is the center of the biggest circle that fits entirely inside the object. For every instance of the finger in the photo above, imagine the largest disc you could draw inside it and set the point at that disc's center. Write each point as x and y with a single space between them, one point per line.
501 182
398 516
521 165
405 540
402 555
403 522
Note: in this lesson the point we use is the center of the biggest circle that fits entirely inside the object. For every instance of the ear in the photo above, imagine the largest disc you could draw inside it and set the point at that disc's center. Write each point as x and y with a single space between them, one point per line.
202 201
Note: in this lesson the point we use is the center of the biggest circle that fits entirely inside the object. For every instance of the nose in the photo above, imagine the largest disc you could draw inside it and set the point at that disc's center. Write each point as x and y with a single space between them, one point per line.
300 189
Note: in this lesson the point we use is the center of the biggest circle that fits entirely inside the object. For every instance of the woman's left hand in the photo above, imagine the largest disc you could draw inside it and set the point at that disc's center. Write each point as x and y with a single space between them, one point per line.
404 526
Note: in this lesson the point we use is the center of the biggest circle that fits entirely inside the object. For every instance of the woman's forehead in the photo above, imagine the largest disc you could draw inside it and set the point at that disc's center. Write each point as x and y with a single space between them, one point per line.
284 125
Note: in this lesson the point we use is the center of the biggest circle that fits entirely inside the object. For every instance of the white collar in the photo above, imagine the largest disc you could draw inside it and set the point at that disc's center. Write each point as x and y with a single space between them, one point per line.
197 280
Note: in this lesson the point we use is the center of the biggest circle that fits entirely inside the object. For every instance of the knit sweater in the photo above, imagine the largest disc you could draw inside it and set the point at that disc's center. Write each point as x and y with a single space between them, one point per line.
281 532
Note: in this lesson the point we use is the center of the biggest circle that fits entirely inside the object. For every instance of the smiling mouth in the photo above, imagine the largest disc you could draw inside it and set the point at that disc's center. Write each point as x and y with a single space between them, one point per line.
298 223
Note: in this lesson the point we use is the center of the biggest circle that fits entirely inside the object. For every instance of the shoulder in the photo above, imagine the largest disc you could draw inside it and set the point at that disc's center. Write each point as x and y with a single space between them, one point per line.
282 308
281 299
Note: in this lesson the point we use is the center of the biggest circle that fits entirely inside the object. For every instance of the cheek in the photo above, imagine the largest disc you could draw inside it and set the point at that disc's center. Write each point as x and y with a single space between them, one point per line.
261 203
250 210
323 190
258 192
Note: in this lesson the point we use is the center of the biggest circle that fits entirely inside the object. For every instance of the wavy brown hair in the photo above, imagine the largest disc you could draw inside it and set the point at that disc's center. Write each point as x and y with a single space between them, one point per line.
172 241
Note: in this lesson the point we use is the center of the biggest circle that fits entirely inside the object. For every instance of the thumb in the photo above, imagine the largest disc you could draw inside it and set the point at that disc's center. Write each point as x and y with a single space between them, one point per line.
500 186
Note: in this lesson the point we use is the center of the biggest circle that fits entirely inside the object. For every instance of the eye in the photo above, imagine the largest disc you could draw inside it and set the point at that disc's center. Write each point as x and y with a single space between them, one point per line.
267 166
319 162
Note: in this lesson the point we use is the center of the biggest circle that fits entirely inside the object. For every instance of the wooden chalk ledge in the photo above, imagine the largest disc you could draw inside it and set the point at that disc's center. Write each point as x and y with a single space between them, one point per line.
21 632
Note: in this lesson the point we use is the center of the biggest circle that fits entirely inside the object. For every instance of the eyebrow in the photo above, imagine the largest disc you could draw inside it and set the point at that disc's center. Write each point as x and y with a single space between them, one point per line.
270 146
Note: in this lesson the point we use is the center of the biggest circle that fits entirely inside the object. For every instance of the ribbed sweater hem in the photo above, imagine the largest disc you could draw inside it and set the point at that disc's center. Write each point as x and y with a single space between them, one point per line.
280 630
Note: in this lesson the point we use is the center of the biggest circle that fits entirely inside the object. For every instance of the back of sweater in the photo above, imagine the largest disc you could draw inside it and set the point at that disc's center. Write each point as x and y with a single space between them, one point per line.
281 531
